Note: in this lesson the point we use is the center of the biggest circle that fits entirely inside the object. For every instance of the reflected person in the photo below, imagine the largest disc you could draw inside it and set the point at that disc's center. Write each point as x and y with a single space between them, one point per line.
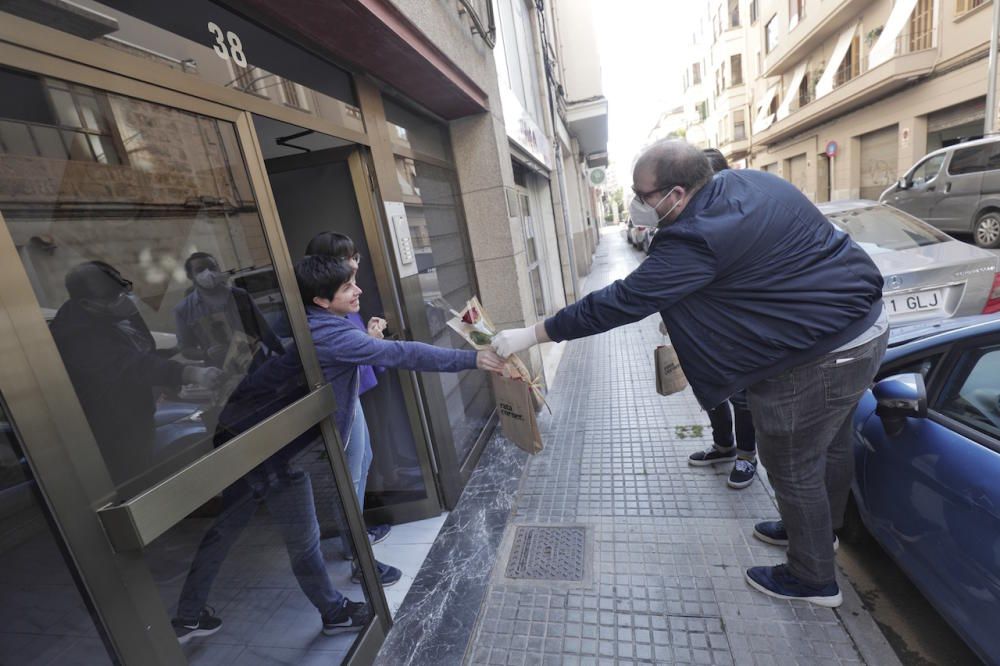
287 492
111 359
220 323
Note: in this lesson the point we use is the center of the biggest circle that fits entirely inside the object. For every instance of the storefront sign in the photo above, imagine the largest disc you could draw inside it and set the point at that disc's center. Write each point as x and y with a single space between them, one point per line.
597 176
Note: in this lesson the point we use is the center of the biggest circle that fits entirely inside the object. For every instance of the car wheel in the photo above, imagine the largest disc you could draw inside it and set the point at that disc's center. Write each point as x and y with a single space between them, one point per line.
986 232
853 531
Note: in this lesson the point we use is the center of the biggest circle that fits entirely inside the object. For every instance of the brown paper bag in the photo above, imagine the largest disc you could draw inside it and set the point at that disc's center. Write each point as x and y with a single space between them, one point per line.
670 378
517 413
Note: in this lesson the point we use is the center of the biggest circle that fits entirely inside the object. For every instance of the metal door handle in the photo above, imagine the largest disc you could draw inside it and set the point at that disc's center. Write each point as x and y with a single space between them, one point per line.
947 188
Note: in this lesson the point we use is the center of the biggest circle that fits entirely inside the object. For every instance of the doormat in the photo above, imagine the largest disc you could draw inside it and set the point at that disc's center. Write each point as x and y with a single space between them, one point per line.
548 553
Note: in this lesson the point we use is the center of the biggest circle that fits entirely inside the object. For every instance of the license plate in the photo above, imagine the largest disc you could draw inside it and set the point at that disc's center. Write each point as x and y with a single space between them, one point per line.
919 301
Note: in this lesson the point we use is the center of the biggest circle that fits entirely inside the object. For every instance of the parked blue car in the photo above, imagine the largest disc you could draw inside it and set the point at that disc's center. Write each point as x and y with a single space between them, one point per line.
927 456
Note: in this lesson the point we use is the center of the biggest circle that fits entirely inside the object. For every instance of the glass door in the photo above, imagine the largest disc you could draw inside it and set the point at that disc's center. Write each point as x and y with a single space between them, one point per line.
145 287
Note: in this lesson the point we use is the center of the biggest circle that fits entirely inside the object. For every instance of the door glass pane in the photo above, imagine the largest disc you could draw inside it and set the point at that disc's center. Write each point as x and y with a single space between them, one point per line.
415 132
446 281
152 271
45 617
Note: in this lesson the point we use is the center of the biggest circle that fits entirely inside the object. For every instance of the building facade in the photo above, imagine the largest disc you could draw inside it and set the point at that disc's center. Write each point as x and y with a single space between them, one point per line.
842 98
136 138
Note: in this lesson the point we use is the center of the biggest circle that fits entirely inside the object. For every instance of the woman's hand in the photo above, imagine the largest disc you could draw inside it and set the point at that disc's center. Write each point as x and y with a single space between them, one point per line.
488 360
375 327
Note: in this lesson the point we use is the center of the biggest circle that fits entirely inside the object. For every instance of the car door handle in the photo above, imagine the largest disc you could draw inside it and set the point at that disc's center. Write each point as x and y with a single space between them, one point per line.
930 188
947 188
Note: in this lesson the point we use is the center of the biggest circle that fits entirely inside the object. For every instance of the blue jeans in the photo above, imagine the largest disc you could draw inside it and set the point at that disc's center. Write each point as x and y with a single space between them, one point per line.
803 420
289 498
358 452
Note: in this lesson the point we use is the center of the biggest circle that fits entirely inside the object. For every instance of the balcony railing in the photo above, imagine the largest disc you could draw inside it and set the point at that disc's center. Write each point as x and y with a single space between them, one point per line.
480 12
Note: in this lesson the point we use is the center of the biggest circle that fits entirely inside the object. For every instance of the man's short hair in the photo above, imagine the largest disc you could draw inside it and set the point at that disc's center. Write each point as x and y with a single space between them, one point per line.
320 276
195 256
676 164
716 159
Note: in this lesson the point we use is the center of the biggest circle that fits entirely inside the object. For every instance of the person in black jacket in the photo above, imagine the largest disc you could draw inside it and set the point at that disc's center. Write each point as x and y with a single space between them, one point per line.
741 451
111 359
219 323
758 292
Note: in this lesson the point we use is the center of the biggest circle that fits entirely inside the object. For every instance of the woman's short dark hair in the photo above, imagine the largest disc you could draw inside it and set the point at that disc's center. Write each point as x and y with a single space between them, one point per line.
320 276
331 244
717 159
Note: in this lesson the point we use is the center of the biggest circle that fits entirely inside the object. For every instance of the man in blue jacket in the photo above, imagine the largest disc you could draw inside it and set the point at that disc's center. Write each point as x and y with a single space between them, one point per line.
760 292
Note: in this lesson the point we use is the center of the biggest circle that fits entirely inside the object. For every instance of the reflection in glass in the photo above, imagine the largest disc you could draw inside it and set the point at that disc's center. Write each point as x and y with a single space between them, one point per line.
446 278
175 35
151 267
45 619
252 574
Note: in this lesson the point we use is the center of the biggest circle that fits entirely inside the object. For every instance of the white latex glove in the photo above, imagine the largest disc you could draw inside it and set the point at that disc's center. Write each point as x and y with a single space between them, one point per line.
206 377
515 340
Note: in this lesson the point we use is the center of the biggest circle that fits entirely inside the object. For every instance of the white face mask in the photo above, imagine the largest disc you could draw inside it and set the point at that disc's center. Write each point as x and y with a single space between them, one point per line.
645 215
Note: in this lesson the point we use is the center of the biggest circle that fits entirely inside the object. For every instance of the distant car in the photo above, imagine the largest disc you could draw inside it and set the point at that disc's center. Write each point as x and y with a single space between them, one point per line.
647 238
928 274
927 460
636 233
955 189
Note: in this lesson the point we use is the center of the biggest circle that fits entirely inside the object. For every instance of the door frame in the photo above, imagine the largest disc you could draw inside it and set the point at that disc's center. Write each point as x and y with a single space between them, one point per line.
100 534
382 257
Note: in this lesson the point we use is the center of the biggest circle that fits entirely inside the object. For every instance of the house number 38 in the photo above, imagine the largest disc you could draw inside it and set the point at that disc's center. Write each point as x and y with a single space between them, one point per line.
227 45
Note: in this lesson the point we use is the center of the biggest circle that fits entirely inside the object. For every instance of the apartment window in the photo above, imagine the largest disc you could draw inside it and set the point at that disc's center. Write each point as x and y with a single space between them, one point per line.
775 103
734 13
249 79
805 91
739 125
921 26
850 66
717 25
796 12
77 124
753 12
696 73
723 126
736 68
293 96
702 111
962 6
771 34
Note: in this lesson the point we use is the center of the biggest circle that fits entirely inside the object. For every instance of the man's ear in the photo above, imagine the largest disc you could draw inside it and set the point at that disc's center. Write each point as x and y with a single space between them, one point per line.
321 302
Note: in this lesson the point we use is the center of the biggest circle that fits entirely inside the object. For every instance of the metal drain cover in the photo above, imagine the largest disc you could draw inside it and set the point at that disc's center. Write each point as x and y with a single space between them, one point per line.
548 553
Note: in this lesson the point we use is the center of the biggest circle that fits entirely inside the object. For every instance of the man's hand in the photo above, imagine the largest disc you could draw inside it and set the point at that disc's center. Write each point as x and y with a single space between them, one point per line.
487 360
375 327
206 377
516 339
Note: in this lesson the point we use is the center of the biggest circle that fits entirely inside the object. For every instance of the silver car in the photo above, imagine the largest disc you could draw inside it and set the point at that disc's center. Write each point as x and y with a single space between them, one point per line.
928 274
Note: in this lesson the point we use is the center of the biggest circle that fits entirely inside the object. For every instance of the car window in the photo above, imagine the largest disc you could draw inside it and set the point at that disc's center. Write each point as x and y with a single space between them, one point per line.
928 170
968 160
922 365
881 229
972 396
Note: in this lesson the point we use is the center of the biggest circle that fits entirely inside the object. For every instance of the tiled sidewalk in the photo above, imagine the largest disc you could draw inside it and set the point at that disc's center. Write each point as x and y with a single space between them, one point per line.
667 543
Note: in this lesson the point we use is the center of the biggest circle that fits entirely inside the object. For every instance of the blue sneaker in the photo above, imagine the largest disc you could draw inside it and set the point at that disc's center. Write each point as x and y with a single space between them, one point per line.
779 583
379 533
773 532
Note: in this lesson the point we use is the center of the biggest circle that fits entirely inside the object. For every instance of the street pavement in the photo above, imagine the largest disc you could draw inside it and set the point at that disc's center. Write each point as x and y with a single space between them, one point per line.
667 544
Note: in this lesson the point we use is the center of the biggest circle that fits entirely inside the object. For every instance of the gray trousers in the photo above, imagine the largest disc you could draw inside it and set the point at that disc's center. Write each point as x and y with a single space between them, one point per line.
803 421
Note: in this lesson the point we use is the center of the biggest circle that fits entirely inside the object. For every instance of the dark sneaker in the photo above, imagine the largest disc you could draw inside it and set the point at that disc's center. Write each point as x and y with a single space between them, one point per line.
779 583
743 473
712 456
351 616
387 574
773 532
206 625
379 533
